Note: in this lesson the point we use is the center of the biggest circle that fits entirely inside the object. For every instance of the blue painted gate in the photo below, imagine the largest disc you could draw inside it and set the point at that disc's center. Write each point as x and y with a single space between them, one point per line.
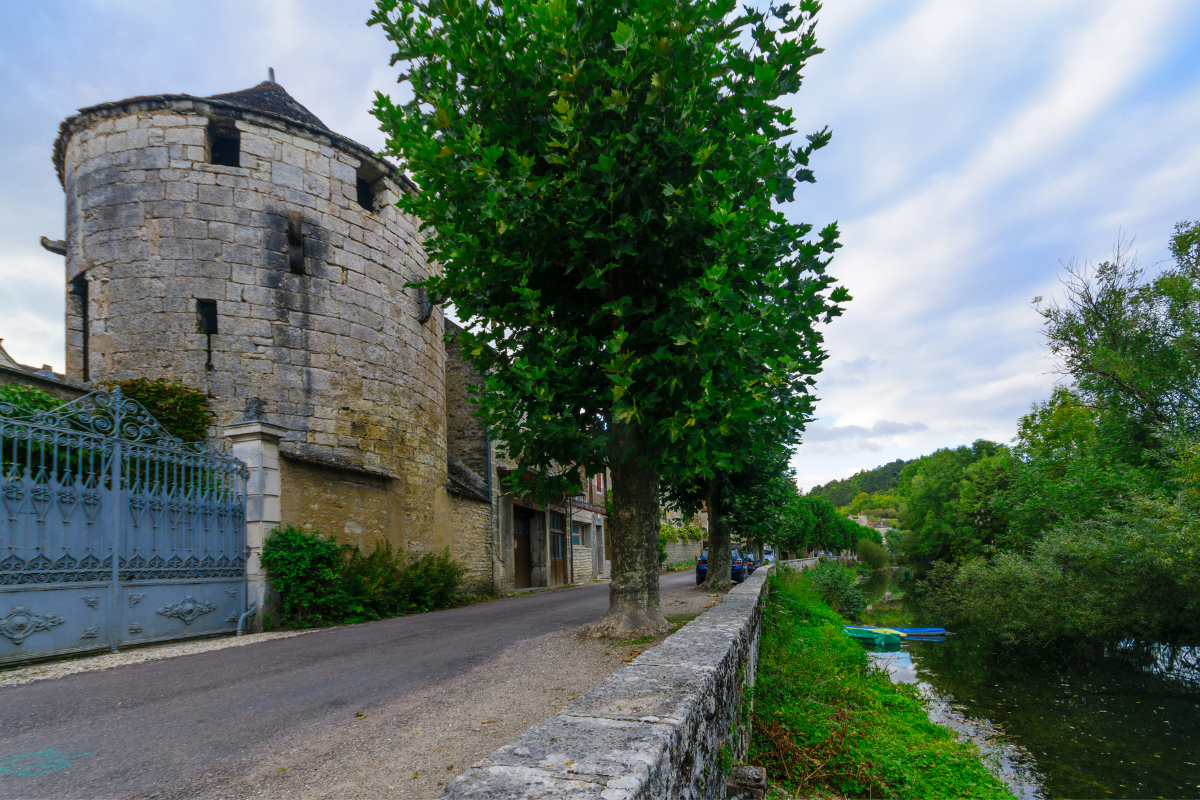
113 532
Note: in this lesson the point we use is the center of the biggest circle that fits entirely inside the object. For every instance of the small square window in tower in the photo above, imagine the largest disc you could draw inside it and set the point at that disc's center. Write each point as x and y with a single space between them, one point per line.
366 196
224 143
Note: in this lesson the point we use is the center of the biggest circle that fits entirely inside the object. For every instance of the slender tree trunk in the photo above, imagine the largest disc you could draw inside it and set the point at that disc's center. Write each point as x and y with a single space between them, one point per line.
720 557
633 603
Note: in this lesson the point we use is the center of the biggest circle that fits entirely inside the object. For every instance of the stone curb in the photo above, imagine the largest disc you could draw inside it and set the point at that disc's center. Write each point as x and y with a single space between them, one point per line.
653 729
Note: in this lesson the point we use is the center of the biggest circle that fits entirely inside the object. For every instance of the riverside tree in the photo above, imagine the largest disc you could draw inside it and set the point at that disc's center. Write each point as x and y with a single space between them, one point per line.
599 182
745 487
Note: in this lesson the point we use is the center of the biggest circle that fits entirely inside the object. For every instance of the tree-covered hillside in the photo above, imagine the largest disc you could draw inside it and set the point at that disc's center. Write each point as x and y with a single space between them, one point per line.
880 479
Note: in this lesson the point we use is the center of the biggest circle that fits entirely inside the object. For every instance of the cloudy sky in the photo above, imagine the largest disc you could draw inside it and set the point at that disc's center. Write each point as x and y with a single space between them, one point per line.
976 147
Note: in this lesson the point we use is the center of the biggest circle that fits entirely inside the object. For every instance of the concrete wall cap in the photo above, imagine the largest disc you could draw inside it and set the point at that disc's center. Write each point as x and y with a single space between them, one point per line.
243 431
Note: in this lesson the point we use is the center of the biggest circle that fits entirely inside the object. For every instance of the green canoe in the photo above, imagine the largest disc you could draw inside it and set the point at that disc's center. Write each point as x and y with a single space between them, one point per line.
879 636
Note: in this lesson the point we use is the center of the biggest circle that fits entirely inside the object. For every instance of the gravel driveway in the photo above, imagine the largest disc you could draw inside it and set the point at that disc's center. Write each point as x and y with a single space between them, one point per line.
386 709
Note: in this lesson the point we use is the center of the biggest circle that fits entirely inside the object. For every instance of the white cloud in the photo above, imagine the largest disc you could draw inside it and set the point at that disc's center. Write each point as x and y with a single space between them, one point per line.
975 147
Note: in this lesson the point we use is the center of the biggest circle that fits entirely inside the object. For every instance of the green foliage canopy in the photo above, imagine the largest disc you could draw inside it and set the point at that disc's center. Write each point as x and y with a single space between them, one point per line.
27 398
599 183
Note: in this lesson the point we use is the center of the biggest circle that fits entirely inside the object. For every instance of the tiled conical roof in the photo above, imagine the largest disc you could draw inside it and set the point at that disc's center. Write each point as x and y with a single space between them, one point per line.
271 98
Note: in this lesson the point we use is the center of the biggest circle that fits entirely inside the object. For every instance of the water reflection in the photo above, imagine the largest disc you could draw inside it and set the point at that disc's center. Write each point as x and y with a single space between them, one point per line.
1011 762
1122 722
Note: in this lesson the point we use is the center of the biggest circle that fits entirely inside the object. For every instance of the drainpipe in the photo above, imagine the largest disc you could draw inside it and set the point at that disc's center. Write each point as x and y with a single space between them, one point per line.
494 508
571 534
242 619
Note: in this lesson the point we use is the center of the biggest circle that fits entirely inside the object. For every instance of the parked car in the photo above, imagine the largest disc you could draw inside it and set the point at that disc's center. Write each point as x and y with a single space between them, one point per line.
751 564
737 573
768 555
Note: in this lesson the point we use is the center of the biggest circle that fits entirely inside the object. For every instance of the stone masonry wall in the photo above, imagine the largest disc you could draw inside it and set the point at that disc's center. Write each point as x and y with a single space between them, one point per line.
466 436
354 507
584 561
681 552
471 544
337 353
653 729
63 391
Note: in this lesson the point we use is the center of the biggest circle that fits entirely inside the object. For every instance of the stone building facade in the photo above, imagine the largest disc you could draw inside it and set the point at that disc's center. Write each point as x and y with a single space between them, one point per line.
238 245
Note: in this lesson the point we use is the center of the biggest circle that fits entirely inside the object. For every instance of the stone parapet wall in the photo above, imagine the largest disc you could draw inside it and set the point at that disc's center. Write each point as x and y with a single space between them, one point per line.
63 391
352 506
654 729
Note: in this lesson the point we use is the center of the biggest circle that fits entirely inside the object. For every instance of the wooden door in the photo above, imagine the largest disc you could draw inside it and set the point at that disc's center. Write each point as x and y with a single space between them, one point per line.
521 552
558 563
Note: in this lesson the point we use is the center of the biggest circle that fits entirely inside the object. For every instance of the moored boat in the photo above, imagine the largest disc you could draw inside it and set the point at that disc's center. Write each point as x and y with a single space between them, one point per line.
880 636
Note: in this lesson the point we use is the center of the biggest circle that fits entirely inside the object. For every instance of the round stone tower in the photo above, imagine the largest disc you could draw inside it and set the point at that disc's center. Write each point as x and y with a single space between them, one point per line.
238 245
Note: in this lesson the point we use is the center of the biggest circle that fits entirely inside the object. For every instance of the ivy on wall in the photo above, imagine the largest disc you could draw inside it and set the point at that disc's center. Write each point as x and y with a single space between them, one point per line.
182 410
668 533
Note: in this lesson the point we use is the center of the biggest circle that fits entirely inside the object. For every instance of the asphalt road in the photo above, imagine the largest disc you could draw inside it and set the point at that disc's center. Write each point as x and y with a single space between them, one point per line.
165 728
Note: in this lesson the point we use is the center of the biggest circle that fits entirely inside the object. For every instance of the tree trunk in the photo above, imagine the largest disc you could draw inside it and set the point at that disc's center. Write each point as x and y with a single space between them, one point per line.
720 557
633 591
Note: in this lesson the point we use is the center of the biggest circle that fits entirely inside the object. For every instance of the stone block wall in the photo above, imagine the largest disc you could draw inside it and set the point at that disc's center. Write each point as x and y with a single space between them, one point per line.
353 506
471 542
584 560
466 436
336 350
681 551
653 729
63 391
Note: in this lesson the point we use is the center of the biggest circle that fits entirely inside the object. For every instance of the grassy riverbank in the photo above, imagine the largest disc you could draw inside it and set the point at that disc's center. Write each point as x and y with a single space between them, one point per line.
825 723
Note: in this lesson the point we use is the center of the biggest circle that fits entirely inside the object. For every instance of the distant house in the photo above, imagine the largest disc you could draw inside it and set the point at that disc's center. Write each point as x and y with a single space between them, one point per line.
46 379
880 525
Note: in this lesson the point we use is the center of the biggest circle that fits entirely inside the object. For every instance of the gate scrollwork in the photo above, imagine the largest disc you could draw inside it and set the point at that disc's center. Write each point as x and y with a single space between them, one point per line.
20 623
96 479
188 609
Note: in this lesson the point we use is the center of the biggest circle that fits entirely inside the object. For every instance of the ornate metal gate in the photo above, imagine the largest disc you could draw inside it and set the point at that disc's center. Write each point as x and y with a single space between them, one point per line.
113 532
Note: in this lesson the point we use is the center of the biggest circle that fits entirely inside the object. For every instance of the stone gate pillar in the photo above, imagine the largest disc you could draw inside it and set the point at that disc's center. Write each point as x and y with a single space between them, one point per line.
256 443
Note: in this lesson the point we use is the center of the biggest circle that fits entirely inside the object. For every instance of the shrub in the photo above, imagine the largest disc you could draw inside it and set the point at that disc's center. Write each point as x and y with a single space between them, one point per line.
306 571
321 582
182 410
835 584
388 584
27 398
874 554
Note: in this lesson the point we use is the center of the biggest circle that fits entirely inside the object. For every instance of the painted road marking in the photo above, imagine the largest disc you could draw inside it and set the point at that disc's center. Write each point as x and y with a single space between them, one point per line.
28 765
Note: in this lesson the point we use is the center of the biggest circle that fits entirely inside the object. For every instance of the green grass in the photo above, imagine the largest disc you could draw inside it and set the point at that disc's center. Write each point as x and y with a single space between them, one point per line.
825 722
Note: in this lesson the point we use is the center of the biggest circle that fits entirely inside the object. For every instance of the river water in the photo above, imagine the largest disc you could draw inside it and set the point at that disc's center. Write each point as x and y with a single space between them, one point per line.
1121 723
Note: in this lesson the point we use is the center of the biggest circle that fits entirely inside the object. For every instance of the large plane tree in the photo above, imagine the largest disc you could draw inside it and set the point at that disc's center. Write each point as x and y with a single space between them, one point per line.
600 183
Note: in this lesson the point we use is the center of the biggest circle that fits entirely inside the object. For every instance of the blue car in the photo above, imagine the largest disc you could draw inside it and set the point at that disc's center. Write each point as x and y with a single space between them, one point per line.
738 573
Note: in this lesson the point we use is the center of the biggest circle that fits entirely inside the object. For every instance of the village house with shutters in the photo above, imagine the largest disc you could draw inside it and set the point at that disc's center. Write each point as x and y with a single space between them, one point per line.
238 245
